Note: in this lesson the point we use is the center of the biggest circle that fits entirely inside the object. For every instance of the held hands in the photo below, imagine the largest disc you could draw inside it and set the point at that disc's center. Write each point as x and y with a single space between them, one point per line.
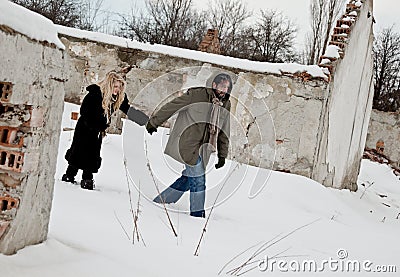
150 128
221 162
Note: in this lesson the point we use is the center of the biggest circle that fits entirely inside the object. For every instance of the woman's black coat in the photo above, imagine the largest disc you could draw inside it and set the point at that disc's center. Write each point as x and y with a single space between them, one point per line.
84 152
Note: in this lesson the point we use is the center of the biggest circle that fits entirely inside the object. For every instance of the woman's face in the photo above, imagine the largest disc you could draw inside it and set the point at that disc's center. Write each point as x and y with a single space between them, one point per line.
117 87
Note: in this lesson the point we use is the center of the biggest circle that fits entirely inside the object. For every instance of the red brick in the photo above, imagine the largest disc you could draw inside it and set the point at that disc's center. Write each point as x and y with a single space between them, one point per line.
9 137
11 160
7 203
210 42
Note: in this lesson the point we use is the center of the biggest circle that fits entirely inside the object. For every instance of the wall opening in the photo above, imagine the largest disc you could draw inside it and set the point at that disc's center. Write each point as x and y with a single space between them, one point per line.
4 204
11 137
5 91
4 109
11 160
3 157
4 135
8 203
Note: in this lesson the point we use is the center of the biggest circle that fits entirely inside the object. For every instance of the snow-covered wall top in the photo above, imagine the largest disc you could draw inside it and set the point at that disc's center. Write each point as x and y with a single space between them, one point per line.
263 67
42 29
28 23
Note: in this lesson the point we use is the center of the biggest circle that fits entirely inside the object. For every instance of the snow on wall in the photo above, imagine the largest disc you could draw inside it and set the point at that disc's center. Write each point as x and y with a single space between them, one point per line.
313 128
32 91
243 64
294 103
28 23
348 107
320 130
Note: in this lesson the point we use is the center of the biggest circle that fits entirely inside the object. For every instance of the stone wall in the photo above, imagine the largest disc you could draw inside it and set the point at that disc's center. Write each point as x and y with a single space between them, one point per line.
348 106
286 111
386 127
289 122
294 104
294 122
32 91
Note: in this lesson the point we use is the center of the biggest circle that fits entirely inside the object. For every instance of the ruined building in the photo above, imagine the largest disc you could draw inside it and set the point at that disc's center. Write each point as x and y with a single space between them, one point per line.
316 117
320 122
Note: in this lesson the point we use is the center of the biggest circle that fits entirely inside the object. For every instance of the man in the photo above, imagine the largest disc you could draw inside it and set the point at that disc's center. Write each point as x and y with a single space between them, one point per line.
202 127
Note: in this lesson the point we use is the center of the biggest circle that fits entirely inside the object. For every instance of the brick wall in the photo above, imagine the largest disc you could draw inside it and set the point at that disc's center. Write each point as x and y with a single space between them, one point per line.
32 80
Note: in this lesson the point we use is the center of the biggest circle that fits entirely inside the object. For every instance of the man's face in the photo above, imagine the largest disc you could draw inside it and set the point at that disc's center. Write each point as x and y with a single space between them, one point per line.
222 88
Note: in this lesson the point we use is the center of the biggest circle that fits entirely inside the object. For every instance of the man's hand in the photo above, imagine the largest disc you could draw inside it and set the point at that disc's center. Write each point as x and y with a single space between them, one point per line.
221 162
150 128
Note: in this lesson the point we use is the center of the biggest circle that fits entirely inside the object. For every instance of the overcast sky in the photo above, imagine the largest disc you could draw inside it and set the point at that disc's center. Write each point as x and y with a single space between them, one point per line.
386 12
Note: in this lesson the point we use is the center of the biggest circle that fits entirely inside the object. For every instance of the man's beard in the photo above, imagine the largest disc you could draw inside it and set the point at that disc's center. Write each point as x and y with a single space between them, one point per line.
220 97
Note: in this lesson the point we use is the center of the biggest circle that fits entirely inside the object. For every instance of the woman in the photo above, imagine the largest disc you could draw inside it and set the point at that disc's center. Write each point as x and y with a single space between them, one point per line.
101 101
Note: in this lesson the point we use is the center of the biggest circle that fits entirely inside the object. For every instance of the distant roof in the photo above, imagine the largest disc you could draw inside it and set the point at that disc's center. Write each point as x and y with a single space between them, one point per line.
28 23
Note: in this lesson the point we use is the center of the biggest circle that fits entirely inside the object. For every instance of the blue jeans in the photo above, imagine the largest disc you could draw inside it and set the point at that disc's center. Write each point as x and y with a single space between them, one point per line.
194 179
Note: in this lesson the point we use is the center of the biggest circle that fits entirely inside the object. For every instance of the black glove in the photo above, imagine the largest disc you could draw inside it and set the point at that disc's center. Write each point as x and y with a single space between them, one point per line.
221 162
150 128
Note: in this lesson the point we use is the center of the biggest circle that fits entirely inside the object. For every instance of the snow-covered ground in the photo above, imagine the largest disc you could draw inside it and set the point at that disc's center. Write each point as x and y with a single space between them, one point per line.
90 232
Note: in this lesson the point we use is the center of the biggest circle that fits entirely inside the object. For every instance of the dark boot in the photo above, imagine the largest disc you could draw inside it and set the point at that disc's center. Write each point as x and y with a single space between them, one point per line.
198 214
69 179
87 184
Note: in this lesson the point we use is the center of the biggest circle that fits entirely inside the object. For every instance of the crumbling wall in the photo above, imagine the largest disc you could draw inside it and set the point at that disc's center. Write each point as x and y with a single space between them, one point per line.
90 60
32 91
385 127
289 109
308 126
348 106
318 126
289 106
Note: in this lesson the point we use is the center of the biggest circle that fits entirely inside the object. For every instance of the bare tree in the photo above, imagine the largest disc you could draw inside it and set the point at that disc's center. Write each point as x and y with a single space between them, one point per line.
169 16
387 70
228 16
272 38
91 16
324 14
63 12
82 14
313 38
176 23
139 27
169 22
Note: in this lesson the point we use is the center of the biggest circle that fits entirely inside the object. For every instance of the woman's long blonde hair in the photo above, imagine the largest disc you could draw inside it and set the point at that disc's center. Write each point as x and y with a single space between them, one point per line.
106 86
